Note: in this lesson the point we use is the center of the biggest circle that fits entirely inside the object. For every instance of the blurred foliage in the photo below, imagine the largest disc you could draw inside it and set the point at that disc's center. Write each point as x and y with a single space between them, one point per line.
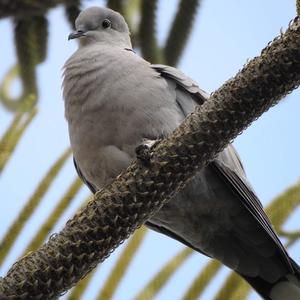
147 32
72 11
31 37
121 265
180 31
31 205
78 291
154 286
46 228
13 134
202 280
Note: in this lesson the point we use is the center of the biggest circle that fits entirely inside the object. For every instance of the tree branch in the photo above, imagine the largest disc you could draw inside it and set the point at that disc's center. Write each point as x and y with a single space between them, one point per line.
139 192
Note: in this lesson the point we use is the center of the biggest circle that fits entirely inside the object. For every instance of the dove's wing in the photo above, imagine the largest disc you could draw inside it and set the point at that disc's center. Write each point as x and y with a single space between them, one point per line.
185 87
249 238
241 188
228 165
84 180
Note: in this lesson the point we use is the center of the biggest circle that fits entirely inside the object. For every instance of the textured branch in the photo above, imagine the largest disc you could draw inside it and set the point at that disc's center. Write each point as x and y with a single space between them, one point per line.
180 31
147 33
139 192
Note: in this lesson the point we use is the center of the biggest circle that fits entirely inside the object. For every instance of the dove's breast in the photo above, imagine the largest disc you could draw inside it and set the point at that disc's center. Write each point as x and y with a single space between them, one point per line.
114 99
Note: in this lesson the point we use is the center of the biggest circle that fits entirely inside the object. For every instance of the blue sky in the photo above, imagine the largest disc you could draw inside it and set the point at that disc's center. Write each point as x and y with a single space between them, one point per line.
226 34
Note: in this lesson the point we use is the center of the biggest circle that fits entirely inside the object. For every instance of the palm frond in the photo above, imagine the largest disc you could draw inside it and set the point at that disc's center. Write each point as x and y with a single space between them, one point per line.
117 5
118 271
147 32
180 30
14 230
229 287
13 134
50 222
78 290
161 278
201 281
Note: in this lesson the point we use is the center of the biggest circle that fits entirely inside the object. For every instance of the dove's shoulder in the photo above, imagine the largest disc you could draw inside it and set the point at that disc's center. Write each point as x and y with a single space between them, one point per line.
184 84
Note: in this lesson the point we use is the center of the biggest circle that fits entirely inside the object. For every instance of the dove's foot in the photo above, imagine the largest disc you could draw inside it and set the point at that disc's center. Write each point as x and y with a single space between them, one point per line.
143 151
143 154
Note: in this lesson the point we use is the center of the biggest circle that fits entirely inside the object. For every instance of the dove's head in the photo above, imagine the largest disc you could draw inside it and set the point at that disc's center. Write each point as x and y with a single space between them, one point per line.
99 24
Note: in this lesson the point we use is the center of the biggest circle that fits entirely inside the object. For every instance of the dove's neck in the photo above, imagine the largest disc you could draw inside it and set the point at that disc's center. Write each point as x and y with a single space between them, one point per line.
118 44
114 39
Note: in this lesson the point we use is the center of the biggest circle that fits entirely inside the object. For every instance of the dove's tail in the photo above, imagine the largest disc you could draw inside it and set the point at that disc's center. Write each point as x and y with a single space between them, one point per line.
285 288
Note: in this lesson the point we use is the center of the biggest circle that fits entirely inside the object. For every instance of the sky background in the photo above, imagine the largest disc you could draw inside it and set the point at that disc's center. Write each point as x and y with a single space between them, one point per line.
225 35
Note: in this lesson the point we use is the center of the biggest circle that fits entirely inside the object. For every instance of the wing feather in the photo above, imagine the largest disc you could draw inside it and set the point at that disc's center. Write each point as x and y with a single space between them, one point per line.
250 201
227 166
88 184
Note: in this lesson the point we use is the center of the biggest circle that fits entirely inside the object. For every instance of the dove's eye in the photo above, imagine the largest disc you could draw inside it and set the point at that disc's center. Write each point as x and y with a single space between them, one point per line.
106 23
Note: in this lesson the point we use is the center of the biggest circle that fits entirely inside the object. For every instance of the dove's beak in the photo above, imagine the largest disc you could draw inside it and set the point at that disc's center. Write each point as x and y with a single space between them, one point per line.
76 34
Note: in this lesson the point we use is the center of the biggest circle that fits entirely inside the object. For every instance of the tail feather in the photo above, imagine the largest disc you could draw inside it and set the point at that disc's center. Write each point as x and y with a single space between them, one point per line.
286 288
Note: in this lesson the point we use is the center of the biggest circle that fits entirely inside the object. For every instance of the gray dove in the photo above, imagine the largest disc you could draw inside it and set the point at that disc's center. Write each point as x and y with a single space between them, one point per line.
116 103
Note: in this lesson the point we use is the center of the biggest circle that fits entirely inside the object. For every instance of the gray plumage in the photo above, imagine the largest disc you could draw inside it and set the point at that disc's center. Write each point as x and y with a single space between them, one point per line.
114 100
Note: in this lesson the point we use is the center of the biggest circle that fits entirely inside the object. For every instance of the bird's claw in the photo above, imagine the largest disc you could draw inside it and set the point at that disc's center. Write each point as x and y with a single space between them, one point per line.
143 153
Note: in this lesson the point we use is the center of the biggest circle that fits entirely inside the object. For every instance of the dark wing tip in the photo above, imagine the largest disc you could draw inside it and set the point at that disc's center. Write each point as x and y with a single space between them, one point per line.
86 182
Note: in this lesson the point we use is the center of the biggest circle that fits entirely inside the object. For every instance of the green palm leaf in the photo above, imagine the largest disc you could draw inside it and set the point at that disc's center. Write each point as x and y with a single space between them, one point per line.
14 230
202 280
119 269
161 278
50 222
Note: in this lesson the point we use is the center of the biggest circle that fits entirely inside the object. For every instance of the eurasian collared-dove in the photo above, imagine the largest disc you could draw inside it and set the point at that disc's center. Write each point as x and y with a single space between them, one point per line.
114 101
